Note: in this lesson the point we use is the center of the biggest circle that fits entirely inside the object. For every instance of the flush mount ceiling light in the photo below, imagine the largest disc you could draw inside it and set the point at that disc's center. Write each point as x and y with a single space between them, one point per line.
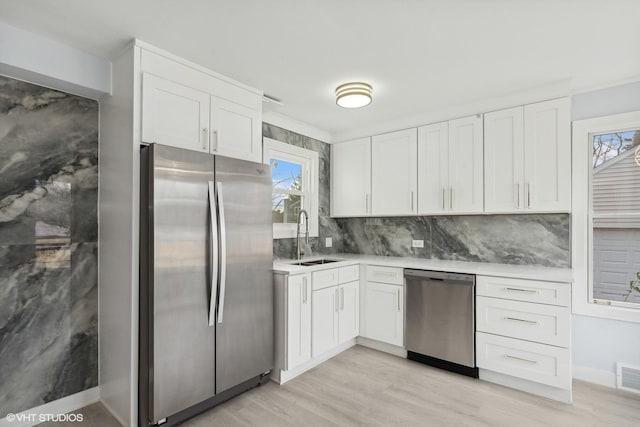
353 95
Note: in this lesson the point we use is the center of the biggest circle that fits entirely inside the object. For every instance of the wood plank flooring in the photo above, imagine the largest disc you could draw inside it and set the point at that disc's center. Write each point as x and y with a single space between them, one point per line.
364 387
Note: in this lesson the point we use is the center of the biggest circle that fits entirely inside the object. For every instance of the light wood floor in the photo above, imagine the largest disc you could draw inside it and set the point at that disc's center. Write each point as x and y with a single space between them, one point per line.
363 387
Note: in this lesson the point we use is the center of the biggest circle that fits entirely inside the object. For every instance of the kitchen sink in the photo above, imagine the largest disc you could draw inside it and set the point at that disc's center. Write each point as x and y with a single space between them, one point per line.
315 262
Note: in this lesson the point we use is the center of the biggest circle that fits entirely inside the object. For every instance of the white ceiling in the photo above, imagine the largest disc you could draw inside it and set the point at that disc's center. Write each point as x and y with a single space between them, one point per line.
419 55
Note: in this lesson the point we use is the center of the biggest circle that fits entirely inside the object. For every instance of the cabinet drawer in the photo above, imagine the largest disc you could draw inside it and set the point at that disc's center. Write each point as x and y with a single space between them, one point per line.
531 361
524 320
324 278
391 275
555 293
349 274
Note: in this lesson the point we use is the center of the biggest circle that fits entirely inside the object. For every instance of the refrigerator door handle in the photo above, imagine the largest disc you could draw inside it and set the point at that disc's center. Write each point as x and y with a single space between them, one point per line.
223 253
214 254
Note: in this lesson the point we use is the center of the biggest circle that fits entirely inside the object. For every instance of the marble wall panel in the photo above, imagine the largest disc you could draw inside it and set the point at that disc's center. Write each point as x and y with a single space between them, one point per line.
48 245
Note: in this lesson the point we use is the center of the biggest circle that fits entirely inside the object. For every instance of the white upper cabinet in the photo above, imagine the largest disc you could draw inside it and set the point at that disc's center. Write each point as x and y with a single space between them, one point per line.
173 114
394 173
466 164
187 106
504 188
527 158
351 178
433 169
236 130
547 152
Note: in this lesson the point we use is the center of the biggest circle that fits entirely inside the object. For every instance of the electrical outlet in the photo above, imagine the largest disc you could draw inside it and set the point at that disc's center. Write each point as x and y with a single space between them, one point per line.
328 242
417 243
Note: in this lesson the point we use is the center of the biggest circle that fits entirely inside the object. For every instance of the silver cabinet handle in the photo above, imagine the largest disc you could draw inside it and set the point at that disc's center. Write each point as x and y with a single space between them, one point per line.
528 195
529 291
305 294
204 138
412 201
518 195
366 203
223 253
534 362
214 254
337 297
398 299
342 299
214 140
451 198
443 191
515 319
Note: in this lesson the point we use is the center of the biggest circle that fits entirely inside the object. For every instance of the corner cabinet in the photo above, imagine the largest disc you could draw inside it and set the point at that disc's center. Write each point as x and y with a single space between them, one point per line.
188 108
351 178
528 158
394 177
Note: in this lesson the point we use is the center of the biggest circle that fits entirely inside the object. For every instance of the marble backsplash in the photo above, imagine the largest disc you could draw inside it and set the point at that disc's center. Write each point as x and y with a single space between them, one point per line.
510 239
48 245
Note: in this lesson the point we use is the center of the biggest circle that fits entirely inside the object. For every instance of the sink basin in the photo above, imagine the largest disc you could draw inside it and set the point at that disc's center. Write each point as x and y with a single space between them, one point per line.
315 262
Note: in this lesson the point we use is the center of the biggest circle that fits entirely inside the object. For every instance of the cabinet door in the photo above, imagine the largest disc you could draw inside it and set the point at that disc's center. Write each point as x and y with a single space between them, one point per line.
351 178
466 165
547 153
394 173
173 114
235 130
324 326
504 160
433 168
385 313
349 314
298 320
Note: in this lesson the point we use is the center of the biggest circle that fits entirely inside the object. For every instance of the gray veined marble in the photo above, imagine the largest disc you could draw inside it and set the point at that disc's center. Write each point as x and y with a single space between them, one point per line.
48 245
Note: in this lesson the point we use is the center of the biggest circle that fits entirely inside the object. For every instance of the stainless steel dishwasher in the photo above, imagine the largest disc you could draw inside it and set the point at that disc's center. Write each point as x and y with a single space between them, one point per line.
440 320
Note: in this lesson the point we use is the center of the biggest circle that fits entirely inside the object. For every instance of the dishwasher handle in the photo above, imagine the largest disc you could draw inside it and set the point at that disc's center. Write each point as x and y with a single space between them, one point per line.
440 276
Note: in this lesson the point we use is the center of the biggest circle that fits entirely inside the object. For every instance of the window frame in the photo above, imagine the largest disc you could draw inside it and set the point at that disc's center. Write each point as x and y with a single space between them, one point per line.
309 161
582 221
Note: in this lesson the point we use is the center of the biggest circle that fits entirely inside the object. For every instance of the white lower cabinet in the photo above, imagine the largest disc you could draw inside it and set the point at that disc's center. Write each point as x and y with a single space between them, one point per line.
298 320
523 334
336 316
385 313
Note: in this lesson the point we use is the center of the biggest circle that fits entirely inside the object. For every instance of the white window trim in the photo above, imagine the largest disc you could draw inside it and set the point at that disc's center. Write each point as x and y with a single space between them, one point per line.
583 130
273 148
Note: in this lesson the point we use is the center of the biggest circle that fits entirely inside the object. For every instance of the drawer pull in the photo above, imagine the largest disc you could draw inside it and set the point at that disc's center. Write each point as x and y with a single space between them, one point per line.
515 319
529 291
384 273
533 362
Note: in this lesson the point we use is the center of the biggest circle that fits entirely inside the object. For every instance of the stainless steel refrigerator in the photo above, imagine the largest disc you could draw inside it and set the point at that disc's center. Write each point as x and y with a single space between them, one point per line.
206 293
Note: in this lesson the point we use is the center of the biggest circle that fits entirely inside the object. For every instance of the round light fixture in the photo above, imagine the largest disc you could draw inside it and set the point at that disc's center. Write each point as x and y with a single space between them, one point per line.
353 95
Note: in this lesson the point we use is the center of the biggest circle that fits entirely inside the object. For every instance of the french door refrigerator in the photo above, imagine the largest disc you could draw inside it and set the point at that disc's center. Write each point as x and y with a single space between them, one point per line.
206 293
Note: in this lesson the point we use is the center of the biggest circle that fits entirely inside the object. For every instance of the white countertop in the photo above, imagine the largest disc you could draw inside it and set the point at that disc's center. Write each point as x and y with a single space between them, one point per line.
479 268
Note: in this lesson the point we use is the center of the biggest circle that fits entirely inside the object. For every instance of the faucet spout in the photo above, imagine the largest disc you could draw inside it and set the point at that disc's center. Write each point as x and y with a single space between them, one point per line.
299 252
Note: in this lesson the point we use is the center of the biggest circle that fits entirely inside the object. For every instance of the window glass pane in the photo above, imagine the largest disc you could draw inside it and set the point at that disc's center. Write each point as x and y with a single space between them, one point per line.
286 208
286 175
615 214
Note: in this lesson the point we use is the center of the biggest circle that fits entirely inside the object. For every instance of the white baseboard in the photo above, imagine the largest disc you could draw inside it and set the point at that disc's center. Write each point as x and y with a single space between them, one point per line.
284 376
382 346
71 403
596 376
113 413
527 386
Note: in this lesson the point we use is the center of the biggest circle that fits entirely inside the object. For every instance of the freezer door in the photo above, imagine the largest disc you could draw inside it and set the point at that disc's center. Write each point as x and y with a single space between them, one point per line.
244 336
181 342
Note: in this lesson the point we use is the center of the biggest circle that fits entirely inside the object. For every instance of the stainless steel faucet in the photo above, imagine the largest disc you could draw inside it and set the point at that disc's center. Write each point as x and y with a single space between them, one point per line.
299 253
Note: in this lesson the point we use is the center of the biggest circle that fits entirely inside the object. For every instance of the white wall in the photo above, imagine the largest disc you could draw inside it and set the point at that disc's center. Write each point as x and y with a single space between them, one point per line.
599 343
27 56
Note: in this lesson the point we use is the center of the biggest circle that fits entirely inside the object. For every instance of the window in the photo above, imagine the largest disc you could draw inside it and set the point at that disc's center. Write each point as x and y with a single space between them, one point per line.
606 216
294 173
